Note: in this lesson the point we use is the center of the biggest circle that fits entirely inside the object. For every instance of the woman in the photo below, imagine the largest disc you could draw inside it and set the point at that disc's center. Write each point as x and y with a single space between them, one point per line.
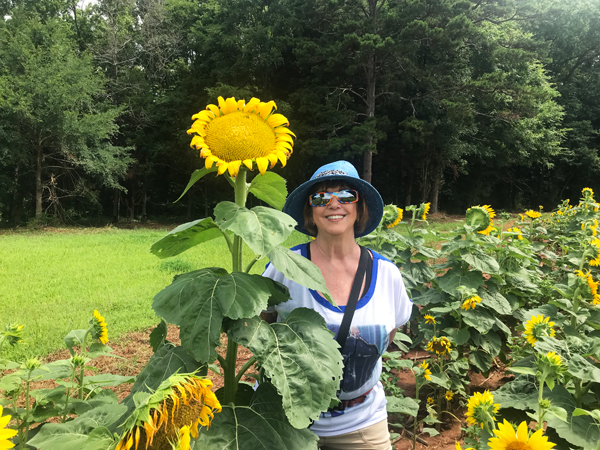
335 206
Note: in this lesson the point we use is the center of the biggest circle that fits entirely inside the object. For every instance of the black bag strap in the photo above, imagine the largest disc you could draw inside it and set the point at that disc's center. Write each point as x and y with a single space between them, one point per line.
353 299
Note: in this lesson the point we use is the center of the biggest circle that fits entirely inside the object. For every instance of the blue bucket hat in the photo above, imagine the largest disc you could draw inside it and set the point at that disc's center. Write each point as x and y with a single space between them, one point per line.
339 171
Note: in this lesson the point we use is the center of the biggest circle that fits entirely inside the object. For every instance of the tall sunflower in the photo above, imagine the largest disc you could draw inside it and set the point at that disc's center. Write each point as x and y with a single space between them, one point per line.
5 434
425 207
236 133
392 215
170 415
509 439
440 346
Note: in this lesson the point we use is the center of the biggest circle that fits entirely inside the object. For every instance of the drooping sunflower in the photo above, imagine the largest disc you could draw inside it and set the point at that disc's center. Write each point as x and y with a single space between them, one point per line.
426 371
587 192
509 439
481 409
440 346
171 414
425 210
429 319
392 216
99 330
481 217
5 433
471 302
236 133
538 326
595 246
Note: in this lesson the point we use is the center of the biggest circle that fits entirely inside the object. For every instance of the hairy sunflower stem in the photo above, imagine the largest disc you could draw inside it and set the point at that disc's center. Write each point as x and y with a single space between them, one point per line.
244 368
249 266
65 410
81 370
229 376
26 420
541 411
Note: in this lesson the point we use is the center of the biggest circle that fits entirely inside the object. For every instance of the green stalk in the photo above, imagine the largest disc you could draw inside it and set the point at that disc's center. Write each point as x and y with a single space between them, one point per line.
416 423
64 415
83 350
229 375
541 411
26 421
244 368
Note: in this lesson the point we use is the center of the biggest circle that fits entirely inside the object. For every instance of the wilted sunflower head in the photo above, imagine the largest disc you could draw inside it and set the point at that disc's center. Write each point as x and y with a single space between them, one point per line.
392 215
537 327
99 330
481 409
171 414
440 346
236 132
480 217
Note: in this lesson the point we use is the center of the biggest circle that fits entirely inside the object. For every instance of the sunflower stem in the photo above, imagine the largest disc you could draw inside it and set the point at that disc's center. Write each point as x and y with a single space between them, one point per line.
541 411
244 368
27 419
229 376
249 266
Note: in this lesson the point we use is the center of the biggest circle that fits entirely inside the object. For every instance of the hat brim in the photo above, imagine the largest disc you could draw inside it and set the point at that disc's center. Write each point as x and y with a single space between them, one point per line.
294 204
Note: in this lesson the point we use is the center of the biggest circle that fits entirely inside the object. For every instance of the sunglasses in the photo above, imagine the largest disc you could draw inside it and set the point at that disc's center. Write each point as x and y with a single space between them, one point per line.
324 198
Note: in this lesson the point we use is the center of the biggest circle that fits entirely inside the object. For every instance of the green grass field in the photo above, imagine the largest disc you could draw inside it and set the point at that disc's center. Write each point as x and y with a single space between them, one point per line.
51 281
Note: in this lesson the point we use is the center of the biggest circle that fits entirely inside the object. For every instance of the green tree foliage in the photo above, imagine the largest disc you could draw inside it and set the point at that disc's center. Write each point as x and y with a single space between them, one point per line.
55 125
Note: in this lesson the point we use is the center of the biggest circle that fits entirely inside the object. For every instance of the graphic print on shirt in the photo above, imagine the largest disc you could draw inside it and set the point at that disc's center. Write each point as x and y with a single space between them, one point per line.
364 347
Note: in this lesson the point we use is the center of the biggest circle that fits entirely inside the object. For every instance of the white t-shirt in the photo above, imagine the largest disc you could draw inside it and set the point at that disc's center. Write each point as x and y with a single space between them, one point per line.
384 307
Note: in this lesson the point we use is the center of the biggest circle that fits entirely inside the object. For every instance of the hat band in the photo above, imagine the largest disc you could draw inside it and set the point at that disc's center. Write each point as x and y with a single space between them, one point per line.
330 172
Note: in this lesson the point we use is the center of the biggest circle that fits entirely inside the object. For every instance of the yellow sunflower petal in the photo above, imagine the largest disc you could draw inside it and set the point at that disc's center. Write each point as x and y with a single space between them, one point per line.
222 167
264 109
234 167
281 130
222 105
232 105
248 163
203 115
272 159
262 164
251 105
214 109
276 120
208 162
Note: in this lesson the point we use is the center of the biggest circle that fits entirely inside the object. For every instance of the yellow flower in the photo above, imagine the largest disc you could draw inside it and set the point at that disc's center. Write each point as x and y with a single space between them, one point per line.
426 208
481 409
392 215
554 359
426 371
398 219
237 132
516 230
440 346
173 412
509 439
458 447
533 214
471 302
430 400
449 395
587 192
481 218
99 330
429 319
5 433
538 326
522 217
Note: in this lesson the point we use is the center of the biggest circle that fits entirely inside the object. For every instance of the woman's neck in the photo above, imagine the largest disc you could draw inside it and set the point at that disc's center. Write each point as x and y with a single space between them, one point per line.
335 247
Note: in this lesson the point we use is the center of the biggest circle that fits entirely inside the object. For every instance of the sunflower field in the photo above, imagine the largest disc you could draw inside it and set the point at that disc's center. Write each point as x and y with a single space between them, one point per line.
525 297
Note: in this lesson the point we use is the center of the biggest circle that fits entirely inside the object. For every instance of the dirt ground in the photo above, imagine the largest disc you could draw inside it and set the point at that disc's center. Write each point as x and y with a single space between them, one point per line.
135 350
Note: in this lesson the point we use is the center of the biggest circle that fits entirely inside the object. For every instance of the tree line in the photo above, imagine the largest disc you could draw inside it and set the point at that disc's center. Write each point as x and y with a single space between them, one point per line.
453 102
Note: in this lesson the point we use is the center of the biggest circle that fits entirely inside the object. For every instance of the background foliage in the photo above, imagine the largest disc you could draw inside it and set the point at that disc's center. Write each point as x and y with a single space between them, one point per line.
453 102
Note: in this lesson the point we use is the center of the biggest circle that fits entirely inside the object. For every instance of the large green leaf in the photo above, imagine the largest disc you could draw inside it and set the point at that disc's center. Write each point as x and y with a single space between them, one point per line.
481 360
431 296
87 431
479 318
261 228
196 176
270 188
583 369
480 260
198 301
297 268
495 301
260 426
404 405
300 357
455 278
186 236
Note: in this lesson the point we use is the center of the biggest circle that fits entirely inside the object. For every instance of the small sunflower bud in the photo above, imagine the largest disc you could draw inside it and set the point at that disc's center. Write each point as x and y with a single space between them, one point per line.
32 364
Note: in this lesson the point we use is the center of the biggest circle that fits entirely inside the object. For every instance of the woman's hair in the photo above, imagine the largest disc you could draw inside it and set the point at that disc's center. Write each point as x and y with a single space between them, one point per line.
362 211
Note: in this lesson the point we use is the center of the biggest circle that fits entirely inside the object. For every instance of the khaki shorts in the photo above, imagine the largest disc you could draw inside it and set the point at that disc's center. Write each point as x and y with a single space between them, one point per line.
374 437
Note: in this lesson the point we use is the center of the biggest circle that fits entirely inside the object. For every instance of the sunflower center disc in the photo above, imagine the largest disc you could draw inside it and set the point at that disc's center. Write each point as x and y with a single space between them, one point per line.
238 136
518 446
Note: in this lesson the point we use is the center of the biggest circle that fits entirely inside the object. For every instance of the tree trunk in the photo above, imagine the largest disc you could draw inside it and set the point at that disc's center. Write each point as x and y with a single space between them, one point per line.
435 188
132 209
144 199
16 209
116 205
38 183
370 70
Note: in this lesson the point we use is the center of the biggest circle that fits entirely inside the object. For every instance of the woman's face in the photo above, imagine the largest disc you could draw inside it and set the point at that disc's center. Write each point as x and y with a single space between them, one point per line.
336 218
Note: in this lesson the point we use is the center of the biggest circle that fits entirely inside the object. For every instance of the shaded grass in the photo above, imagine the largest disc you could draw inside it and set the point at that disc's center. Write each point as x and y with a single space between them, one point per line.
51 282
